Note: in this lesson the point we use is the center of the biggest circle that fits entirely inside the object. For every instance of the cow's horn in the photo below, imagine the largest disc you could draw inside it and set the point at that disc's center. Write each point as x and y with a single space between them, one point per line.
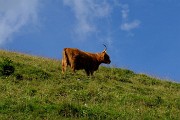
105 47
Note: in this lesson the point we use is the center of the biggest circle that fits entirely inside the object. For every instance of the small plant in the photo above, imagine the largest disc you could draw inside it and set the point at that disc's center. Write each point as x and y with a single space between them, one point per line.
6 67
19 77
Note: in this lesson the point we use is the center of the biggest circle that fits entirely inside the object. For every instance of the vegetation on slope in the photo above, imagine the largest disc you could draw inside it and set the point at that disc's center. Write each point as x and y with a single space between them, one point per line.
36 89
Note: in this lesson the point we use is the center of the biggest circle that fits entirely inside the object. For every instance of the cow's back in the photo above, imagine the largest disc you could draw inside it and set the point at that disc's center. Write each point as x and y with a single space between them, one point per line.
78 59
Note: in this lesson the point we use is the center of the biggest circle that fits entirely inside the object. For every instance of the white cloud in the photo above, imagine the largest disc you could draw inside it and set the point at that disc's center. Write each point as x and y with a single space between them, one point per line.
14 14
86 12
131 25
125 11
126 25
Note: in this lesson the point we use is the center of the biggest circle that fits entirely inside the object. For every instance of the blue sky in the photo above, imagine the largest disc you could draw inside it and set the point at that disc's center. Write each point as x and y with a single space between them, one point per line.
141 35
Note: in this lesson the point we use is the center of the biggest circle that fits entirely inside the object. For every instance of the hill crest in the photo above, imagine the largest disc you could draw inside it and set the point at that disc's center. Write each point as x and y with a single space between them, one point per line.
37 89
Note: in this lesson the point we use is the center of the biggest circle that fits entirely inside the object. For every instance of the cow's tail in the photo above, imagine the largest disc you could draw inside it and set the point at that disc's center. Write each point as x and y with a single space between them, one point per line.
64 60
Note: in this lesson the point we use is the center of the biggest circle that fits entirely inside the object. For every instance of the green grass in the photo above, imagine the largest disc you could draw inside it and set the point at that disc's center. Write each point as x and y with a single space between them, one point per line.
38 90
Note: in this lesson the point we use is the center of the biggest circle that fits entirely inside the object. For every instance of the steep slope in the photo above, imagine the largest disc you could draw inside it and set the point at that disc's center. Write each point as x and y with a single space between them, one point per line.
36 89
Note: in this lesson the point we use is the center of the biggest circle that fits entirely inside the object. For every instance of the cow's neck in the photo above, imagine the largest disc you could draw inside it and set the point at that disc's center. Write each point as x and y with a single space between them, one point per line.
99 58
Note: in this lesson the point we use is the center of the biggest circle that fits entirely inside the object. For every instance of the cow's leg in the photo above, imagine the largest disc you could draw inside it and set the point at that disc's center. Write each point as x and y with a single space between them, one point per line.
92 72
64 65
87 72
73 67
64 61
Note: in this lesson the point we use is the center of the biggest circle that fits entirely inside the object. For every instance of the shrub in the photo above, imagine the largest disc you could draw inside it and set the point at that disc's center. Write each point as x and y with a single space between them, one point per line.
6 67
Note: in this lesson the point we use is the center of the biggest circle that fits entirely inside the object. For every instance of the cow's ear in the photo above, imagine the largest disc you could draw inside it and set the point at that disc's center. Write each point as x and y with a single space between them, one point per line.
104 51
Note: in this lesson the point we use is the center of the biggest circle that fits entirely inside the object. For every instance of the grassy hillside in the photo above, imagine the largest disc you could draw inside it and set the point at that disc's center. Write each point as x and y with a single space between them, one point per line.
36 89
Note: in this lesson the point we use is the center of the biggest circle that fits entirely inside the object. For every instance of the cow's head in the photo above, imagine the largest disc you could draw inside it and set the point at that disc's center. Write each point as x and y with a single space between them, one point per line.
105 57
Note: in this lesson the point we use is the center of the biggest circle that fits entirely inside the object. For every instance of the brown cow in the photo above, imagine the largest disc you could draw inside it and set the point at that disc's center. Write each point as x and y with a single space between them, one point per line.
78 59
